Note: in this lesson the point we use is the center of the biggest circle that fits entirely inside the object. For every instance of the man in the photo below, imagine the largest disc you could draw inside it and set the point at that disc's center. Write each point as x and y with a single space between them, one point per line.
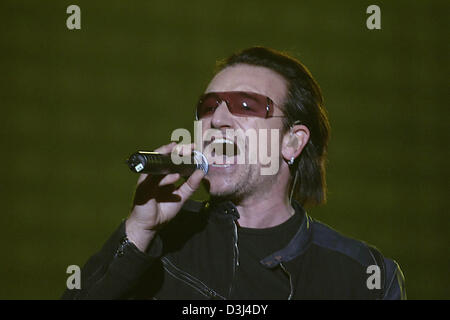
251 240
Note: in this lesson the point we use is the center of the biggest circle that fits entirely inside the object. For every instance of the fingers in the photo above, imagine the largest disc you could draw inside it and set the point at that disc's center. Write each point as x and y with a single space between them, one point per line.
142 177
183 149
180 149
191 185
166 148
169 179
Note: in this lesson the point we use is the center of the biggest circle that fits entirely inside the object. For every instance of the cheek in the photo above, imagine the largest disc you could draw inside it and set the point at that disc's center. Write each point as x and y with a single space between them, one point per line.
205 124
269 137
203 131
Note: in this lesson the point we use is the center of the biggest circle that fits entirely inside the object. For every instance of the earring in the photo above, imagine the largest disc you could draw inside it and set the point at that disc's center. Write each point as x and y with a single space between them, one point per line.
291 162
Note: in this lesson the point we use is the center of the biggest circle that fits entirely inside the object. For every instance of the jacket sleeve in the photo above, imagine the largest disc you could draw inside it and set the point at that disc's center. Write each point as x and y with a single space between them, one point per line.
115 269
395 281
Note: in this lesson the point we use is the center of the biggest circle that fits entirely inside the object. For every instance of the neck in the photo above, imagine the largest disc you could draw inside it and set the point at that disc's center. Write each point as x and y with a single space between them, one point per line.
266 207
264 212
270 206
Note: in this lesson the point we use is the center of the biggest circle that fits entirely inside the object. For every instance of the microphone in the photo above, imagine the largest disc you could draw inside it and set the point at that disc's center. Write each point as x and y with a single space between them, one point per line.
162 164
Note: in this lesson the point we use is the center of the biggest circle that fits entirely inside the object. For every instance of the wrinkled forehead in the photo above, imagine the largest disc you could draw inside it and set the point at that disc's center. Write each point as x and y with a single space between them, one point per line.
243 77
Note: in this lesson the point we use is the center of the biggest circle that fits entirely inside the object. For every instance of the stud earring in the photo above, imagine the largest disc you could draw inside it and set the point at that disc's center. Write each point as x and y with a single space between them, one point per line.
291 162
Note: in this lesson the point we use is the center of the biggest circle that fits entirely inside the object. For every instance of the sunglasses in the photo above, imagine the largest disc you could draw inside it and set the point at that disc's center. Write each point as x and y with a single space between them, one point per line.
239 103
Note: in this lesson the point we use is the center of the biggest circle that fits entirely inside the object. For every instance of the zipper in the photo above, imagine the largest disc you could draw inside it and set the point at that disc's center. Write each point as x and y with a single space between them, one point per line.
291 293
236 248
235 256
189 280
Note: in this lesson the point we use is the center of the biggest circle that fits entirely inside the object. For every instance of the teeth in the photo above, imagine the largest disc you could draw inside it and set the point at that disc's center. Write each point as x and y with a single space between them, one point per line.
220 165
223 147
221 140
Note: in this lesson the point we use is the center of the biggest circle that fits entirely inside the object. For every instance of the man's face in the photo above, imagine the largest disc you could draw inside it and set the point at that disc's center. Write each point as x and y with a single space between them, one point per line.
241 180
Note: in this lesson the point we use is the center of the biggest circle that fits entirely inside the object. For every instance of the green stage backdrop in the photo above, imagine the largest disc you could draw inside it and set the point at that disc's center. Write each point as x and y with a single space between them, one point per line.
75 103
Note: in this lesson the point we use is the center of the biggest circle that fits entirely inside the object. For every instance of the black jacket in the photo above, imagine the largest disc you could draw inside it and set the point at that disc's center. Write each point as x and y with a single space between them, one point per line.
195 255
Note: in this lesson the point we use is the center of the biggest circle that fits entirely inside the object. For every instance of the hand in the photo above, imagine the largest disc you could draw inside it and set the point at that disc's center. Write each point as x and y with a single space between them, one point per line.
157 200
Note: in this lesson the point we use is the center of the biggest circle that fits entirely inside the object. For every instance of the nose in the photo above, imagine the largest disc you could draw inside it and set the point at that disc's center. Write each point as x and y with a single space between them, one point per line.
221 117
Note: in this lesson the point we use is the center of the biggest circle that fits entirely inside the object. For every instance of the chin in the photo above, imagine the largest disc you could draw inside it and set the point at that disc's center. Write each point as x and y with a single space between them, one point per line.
217 189
228 182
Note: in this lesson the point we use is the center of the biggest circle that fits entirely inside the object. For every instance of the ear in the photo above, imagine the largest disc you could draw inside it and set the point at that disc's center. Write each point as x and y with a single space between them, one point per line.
294 141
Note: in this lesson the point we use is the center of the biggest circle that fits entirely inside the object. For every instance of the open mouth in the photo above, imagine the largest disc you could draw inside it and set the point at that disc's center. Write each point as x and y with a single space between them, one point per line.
222 152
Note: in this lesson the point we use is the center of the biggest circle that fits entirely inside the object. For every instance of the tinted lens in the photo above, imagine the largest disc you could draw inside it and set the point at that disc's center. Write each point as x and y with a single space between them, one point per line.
239 103
249 104
207 104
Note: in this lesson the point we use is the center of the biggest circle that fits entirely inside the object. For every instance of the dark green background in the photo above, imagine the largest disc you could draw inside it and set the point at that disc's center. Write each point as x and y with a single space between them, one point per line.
74 104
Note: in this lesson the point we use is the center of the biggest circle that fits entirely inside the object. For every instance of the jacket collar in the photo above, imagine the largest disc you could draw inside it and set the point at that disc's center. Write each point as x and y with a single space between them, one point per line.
223 210
297 246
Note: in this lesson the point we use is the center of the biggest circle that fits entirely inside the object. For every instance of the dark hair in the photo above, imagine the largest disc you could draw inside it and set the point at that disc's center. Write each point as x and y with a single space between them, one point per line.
304 103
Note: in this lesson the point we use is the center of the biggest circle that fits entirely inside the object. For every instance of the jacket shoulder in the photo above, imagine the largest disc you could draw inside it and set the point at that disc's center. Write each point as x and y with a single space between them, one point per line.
364 255
326 237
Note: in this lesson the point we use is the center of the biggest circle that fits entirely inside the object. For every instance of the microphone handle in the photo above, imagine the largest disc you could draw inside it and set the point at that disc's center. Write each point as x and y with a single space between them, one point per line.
161 164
